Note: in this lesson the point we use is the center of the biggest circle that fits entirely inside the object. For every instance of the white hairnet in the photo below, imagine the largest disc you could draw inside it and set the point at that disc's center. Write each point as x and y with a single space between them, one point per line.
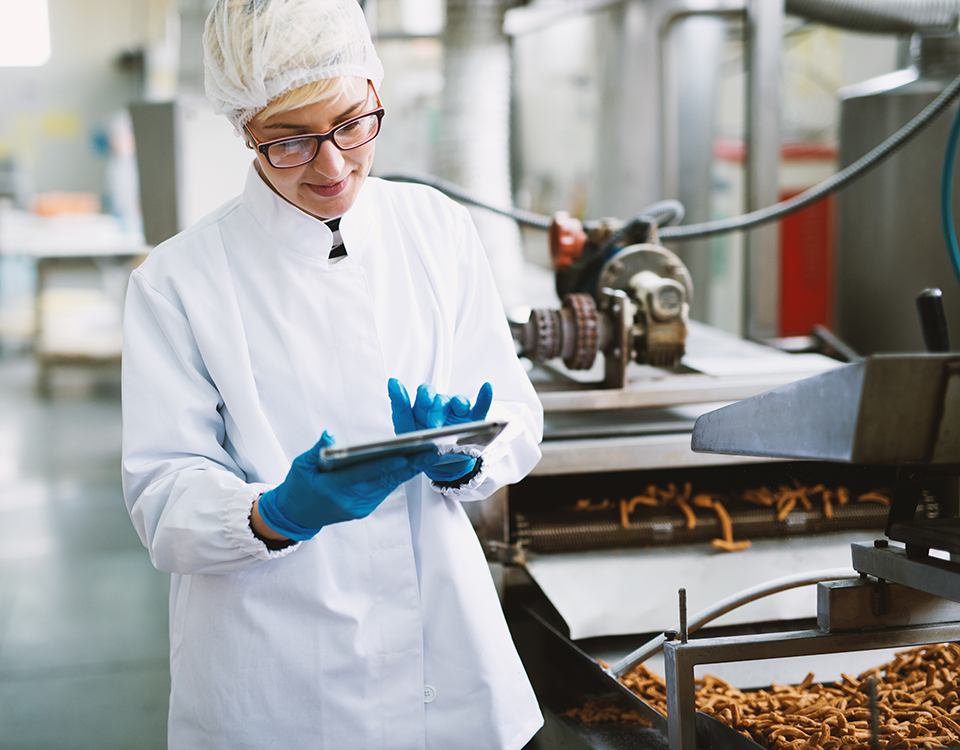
257 50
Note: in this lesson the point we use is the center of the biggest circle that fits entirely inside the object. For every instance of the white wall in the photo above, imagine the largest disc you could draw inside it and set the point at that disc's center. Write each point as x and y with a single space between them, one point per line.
50 115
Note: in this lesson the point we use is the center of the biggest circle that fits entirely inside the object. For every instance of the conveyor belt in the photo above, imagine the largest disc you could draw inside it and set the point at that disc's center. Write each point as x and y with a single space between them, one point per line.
557 532
586 512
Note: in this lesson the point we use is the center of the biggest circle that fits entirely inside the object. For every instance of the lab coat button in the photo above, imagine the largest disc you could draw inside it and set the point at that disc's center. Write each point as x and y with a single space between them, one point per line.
429 694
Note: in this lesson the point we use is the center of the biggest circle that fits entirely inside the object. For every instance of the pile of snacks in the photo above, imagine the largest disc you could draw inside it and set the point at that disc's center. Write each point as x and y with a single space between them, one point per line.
605 711
917 705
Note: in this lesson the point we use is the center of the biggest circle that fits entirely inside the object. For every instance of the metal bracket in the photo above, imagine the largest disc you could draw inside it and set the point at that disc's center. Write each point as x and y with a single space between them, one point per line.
869 604
618 351
932 575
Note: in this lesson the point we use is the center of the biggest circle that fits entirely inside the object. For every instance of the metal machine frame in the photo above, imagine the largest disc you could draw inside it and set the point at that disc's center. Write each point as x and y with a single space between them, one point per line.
899 409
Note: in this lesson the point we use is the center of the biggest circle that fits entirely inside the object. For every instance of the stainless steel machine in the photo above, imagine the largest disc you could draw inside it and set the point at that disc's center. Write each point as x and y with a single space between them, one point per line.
633 502
893 410
889 418
623 374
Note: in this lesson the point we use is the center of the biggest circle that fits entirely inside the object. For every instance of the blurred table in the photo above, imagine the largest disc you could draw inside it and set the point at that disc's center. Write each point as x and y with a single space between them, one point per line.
74 326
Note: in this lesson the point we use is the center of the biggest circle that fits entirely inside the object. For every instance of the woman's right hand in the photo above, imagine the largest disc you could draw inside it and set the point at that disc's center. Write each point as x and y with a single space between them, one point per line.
311 498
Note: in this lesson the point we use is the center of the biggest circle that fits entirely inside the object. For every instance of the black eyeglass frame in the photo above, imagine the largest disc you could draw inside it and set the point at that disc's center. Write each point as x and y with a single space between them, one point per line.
263 146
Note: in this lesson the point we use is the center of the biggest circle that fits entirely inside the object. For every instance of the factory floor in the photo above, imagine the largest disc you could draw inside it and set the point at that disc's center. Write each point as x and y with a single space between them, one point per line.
83 613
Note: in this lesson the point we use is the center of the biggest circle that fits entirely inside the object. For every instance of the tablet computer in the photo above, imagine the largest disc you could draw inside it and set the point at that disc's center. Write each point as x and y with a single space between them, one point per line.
470 434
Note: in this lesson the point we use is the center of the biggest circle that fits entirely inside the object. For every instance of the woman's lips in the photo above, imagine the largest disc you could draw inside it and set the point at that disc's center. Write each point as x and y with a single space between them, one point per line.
329 191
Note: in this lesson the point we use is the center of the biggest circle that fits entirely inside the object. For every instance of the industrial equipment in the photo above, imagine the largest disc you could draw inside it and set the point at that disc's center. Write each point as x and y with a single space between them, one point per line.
623 295
898 410
886 420
876 279
620 513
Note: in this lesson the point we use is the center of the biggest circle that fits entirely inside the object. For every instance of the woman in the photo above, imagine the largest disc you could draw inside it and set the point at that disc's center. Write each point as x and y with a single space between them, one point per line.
321 609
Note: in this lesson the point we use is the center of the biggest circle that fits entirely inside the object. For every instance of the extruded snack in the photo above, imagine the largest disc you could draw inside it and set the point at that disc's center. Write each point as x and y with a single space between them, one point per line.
917 705
783 501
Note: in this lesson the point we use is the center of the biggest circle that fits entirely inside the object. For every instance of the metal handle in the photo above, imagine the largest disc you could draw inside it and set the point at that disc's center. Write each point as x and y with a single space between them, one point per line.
933 320
655 645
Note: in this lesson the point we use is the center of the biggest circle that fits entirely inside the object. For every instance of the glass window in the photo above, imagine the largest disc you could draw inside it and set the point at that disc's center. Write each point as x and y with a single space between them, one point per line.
24 33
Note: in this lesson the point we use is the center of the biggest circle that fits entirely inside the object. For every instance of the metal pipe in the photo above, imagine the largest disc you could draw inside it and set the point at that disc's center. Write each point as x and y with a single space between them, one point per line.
473 146
831 185
880 16
761 258
655 645
877 16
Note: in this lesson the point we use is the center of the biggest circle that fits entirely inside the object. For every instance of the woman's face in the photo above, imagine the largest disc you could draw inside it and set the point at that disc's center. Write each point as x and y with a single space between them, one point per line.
327 186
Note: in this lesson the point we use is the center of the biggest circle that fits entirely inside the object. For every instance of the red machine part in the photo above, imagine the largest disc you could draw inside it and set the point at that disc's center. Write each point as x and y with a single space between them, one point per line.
567 239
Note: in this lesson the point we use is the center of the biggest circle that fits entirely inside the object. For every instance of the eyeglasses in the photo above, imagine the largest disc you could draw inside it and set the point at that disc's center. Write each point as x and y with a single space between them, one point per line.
297 150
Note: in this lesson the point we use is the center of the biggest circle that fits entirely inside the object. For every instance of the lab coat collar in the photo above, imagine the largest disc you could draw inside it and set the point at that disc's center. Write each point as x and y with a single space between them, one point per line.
300 232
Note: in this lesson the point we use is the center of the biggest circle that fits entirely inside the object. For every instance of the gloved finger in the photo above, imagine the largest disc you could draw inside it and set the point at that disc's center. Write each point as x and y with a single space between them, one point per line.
312 457
459 407
400 410
325 441
453 458
438 411
447 471
454 462
425 396
423 460
482 406
398 394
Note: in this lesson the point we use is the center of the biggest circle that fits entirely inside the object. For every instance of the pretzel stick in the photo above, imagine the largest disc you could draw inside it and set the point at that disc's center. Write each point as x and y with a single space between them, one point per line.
723 544
786 508
688 512
726 525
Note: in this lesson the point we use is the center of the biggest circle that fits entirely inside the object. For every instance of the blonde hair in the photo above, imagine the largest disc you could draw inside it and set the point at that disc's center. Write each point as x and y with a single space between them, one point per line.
323 90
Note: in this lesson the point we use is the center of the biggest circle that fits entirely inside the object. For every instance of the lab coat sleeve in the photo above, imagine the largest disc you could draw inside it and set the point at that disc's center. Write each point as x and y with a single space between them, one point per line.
483 350
187 497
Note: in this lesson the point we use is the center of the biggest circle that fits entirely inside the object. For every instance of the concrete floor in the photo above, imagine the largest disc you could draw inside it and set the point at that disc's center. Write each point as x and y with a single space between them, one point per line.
83 613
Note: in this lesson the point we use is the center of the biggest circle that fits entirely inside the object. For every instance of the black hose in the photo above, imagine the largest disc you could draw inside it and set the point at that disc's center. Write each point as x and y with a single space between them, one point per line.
880 16
739 223
664 213
527 218
831 185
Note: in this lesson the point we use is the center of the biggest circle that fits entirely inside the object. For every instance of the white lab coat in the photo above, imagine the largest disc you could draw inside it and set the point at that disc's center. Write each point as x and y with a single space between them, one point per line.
242 344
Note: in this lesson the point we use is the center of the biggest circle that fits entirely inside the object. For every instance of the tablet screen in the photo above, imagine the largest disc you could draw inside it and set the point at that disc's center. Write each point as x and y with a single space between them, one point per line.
471 434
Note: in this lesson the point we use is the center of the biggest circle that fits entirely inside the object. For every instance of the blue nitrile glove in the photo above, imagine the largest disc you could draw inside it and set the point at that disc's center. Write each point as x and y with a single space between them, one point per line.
431 410
451 467
310 498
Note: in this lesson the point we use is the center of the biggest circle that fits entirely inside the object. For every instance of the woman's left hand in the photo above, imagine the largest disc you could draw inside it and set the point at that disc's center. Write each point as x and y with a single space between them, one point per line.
431 410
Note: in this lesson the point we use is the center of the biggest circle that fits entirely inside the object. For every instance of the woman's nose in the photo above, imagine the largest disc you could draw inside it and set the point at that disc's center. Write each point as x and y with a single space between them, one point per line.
329 160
